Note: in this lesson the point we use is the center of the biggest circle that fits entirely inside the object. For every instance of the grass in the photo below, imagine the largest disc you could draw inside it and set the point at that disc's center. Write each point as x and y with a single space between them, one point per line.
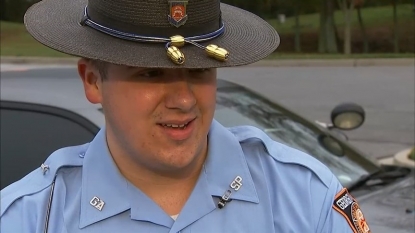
338 56
412 154
371 17
15 40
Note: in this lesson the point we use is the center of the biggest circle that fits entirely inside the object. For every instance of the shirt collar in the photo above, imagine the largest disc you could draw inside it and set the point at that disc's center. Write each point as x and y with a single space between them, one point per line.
225 161
102 179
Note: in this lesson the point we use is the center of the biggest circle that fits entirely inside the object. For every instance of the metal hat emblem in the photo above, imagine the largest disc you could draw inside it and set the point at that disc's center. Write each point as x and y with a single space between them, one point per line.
177 15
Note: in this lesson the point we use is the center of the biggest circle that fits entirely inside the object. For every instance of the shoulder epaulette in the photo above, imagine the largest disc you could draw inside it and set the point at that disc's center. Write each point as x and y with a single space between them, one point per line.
42 177
283 153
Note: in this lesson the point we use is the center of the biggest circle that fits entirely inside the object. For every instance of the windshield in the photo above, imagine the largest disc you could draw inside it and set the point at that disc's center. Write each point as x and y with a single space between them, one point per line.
236 106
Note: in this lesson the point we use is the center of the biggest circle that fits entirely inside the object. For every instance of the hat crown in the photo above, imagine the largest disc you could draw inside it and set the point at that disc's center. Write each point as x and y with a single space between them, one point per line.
157 17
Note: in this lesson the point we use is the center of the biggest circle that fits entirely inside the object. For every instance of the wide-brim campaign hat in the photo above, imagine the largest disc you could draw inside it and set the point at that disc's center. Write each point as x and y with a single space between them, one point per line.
153 33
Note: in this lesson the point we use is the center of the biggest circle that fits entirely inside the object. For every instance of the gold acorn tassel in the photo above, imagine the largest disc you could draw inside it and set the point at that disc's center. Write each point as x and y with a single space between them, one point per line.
217 52
177 56
173 51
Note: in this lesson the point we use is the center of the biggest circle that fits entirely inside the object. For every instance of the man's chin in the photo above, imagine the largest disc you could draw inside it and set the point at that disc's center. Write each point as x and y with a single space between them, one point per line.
183 160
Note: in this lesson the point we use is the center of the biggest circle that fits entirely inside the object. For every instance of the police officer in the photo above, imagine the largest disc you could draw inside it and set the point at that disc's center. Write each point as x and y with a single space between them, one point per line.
162 163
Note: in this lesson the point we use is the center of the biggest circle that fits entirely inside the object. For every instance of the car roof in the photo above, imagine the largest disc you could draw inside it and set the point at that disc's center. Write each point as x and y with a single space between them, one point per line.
66 92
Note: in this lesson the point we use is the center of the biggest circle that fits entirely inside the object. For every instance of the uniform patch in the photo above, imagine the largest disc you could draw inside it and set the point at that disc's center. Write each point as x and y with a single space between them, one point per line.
346 205
177 15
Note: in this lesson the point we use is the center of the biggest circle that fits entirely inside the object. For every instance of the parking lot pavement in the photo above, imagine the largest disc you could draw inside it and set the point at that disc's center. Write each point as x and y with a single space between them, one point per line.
25 67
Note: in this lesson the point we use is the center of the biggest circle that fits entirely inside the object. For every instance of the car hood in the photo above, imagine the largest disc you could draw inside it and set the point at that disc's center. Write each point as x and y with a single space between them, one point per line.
392 208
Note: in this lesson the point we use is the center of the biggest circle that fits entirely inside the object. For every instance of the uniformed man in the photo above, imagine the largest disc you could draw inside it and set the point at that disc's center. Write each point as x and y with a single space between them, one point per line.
162 163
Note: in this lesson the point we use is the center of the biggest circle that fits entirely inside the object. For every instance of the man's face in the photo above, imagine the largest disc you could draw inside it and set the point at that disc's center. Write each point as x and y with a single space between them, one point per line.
158 118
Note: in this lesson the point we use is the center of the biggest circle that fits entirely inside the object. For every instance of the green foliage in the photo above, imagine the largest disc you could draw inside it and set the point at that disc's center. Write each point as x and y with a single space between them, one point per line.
373 3
263 8
371 16
269 9
412 154
16 41
14 10
311 56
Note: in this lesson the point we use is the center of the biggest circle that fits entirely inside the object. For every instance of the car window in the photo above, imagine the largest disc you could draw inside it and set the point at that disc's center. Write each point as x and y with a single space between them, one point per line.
239 107
29 137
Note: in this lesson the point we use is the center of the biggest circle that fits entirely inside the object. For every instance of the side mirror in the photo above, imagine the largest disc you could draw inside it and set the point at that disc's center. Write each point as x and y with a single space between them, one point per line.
331 145
347 116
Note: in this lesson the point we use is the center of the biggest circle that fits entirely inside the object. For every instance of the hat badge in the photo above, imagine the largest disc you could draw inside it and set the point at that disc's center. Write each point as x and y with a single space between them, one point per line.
177 15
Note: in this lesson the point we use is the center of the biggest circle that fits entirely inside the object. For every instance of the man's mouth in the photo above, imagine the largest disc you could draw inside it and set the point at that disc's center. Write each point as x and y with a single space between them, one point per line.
174 126
178 130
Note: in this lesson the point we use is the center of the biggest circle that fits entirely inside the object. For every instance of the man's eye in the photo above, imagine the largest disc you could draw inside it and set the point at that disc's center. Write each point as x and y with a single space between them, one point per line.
199 70
151 73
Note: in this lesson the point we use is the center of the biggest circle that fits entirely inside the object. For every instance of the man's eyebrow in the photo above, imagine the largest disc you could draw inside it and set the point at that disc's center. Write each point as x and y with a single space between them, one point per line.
132 67
135 68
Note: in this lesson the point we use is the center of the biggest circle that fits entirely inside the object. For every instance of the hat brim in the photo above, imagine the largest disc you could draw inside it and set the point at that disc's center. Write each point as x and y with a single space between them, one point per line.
55 23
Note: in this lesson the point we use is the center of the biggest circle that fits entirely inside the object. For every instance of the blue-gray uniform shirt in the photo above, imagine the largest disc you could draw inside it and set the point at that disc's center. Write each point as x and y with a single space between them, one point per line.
280 190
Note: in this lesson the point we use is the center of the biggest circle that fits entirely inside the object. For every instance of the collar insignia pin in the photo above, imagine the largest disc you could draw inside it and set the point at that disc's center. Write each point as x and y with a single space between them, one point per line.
97 203
177 15
235 185
44 168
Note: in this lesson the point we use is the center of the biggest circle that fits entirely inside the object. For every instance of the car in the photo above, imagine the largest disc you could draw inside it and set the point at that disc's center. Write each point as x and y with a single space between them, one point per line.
42 113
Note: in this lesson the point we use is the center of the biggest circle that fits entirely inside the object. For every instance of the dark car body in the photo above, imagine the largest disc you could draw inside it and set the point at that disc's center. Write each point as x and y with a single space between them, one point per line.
40 114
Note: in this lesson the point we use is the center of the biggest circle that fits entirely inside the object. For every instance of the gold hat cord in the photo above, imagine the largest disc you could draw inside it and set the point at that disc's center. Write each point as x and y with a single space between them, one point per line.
172 44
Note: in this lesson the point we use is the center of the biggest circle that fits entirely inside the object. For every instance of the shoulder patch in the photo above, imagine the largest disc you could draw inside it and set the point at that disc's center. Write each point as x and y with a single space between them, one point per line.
347 206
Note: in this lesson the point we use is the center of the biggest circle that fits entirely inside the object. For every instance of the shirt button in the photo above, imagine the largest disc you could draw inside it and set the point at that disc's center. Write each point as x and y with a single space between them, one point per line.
82 154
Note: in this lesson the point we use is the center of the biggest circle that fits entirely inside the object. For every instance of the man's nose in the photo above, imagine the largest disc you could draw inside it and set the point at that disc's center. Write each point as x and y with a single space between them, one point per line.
180 95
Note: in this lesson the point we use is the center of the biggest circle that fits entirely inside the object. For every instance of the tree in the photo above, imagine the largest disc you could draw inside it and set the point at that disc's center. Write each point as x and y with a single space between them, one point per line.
347 7
14 10
263 8
297 28
295 8
395 28
327 36
358 6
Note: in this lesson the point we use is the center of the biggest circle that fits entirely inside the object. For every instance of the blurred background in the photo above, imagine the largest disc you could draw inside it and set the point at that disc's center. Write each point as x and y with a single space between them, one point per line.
363 28
331 51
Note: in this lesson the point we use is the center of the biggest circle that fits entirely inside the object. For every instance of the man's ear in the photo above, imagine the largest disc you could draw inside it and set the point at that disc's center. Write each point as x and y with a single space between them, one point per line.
91 80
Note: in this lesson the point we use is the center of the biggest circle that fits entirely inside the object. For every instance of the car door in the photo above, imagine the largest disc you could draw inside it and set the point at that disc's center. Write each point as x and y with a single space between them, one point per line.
31 132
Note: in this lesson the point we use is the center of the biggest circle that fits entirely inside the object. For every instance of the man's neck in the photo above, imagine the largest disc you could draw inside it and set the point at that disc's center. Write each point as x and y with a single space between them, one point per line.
169 189
169 192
